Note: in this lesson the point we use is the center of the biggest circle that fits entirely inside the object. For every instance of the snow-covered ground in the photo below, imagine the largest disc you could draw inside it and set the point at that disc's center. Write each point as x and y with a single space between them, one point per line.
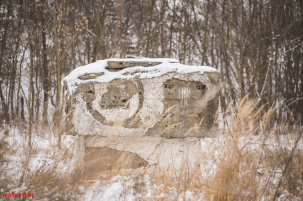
150 183
128 188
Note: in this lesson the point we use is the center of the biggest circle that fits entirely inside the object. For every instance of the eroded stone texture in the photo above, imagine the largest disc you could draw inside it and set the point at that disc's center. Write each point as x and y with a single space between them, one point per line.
100 159
114 104
188 112
90 76
119 65
142 114
173 105
118 94
175 89
170 154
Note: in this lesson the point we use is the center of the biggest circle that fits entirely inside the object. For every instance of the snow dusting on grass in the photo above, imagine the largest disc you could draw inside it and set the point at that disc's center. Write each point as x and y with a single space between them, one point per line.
235 165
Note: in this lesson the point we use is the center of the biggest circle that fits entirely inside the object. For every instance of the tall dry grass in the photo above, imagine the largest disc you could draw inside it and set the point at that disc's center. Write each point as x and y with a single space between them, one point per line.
254 169
41 170
260 160
256 163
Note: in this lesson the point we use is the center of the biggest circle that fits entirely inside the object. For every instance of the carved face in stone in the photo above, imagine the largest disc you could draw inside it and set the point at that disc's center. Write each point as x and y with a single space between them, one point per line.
181 92
118 94
114 103
186 109
171 106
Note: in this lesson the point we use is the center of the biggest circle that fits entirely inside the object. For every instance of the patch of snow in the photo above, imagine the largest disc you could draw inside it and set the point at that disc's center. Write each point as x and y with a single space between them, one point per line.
113 192
44 156
210 151
168 65
142 59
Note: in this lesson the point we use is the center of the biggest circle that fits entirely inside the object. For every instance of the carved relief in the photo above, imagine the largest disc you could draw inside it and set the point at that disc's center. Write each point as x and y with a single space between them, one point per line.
172 106
119 98
187 111
118 94
154 101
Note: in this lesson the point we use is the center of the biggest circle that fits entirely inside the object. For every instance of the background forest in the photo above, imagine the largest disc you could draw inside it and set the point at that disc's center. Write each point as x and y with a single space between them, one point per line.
256 45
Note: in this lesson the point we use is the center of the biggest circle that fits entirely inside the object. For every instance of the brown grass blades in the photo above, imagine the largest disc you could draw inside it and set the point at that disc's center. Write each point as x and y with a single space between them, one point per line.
254 158
3 160
263 168
41 170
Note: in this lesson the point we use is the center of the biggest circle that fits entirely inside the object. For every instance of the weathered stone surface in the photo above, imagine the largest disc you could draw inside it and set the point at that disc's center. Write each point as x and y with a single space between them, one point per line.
90 76
168 106
100 159
173 105
188 111
118 94
170 154
118 65
140 120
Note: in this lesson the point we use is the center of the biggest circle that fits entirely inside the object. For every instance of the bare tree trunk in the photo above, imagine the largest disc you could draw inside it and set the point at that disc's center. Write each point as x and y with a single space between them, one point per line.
101 26
119 10
58 86
22 107
45 77
2 52
30 92
235 61
19 85
171 31
204 58
149 27
163 48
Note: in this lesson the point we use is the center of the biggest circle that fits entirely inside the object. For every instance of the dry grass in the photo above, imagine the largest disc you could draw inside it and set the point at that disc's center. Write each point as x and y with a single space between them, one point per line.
255 162
39 170
248 169
252 171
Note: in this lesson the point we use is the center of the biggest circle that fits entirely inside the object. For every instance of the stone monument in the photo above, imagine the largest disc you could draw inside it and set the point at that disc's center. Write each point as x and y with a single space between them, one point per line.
141 98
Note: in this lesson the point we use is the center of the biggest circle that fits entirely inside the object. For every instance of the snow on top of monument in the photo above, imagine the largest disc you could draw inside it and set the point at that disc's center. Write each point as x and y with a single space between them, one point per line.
145 60
103 75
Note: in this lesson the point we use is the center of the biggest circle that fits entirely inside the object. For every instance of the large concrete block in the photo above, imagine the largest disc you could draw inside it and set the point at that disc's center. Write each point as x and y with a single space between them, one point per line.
141 97
140 102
